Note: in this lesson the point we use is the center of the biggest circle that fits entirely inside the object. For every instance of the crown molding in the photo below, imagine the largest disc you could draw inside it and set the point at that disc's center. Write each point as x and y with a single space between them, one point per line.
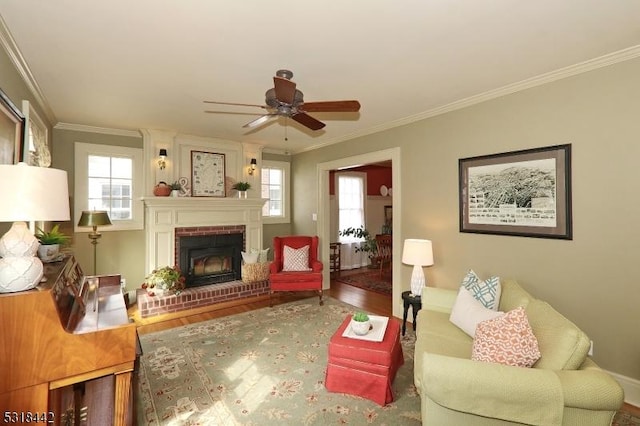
93 129
572 70
15 56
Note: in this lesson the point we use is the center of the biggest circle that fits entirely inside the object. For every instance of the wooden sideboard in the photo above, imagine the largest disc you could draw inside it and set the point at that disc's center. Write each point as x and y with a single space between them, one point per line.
67 350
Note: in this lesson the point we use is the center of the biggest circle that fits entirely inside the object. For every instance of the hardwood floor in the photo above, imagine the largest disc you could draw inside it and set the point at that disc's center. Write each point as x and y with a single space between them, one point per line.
373 302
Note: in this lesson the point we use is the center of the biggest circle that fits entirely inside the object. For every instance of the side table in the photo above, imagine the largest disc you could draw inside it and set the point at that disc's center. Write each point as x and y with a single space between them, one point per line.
416 304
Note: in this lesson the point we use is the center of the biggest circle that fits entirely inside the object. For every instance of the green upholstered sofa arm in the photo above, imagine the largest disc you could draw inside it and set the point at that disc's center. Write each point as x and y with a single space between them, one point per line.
515 394
438 299
590 388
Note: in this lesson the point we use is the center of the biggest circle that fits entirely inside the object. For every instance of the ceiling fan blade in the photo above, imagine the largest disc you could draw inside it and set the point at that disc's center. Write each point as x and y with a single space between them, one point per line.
331 106
285 90
260 120
308 121
235 104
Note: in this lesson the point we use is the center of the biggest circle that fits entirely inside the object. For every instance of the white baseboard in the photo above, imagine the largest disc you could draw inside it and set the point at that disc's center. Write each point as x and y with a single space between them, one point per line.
631 388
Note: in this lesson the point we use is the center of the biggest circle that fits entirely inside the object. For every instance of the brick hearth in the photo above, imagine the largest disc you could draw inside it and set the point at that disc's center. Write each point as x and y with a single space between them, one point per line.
198 296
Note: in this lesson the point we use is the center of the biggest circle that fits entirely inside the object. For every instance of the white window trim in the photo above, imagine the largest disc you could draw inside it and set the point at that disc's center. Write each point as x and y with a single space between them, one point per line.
81 190
286 182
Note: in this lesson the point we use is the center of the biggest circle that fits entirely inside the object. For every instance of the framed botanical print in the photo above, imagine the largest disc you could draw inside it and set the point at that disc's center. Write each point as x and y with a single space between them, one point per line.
207 174
11 131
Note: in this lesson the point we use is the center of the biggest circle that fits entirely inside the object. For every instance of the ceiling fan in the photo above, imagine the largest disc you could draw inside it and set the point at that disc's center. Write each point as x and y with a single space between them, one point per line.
284 100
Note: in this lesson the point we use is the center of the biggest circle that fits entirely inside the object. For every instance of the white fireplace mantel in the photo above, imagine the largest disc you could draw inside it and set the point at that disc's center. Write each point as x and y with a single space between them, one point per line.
164 214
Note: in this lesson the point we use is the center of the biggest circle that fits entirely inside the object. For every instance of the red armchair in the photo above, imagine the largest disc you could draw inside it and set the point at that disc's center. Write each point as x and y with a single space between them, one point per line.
304 277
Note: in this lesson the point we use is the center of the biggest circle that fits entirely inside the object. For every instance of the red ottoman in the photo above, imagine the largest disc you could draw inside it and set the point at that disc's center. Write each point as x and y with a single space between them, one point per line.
362 367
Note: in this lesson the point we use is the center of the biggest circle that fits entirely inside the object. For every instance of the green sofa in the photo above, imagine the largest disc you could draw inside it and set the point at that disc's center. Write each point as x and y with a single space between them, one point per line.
564 387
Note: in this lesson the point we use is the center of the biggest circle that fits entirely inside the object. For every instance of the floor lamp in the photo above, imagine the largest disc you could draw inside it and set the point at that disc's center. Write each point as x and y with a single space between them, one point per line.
94 218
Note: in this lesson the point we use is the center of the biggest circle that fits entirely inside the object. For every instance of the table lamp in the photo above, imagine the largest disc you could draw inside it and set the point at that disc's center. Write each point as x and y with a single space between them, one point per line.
35 194
418 253
94 218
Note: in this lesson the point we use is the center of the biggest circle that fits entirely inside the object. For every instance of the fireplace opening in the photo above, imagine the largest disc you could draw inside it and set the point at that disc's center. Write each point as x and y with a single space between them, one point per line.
211 259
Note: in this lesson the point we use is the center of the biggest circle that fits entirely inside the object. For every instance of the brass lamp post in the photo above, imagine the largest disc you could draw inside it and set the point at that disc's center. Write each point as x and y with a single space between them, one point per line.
94 218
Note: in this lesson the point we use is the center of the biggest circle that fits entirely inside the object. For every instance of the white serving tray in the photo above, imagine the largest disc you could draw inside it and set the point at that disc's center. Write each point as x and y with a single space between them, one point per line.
375 335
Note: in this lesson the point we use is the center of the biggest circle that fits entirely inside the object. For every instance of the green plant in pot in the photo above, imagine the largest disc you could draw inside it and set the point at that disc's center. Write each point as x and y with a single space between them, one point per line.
50 243
164 280
175 189
360 323
242 188
369 244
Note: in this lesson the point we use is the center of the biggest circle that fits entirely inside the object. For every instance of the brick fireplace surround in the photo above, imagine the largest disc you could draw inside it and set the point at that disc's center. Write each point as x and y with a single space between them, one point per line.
168 219
196 297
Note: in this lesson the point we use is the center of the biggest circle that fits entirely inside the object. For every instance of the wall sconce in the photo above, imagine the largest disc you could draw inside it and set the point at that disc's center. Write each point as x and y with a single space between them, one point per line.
163 155
252 166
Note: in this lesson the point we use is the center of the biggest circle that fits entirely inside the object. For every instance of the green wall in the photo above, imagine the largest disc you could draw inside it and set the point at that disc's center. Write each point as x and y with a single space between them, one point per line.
119 252
589 279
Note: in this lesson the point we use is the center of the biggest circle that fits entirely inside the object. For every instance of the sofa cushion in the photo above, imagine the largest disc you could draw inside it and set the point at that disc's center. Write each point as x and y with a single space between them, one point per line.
468 312
507 340
562 344
513 296
486 292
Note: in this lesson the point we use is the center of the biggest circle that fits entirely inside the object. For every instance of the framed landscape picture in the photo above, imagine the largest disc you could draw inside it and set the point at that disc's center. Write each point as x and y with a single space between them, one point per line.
522 193
207 174
11 131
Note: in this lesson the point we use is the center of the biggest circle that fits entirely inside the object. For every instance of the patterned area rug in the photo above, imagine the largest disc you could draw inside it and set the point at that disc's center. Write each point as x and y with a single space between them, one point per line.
260 368
625 418
369 280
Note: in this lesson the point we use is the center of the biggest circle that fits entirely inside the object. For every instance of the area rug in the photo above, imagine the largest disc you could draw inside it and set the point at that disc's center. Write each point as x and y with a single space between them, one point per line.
369 280
261 367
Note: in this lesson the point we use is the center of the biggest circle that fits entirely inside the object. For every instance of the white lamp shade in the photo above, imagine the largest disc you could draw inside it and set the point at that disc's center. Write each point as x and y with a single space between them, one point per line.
36 193
417 252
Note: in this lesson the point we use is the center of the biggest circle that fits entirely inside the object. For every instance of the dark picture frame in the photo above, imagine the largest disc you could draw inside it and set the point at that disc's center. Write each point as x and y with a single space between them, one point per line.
12 128
207 174
520 193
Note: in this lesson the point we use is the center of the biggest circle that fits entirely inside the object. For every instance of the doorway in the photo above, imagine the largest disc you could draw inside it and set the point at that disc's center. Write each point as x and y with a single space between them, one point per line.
324 225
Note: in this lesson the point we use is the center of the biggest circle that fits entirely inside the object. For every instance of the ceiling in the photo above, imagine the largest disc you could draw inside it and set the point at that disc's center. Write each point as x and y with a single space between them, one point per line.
150 64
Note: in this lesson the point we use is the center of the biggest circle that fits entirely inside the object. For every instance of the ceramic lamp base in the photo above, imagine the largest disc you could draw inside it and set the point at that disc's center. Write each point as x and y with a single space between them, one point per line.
19 273
417 280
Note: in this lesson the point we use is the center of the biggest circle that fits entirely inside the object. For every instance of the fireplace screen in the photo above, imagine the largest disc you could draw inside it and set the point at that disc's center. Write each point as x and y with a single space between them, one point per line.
211 259
209 265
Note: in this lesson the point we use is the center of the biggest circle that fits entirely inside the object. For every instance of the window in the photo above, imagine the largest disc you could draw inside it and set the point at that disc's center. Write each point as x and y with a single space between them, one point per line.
351 191
275 187
106 179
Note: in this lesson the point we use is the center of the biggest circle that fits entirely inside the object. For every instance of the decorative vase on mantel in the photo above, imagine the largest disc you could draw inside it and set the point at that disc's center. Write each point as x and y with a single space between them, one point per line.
242 194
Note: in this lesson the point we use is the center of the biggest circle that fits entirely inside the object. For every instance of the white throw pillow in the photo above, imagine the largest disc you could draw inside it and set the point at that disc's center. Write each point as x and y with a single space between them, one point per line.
295 259
467 312
262 254
249 257
486 292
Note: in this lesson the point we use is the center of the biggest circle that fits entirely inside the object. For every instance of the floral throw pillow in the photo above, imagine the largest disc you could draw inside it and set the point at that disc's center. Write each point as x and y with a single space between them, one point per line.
507 340
486 292
295 259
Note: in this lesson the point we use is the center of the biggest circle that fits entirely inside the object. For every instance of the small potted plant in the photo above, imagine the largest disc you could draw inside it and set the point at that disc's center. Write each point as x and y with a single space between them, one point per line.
164 280
242 188
360 323
175 189
50 243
